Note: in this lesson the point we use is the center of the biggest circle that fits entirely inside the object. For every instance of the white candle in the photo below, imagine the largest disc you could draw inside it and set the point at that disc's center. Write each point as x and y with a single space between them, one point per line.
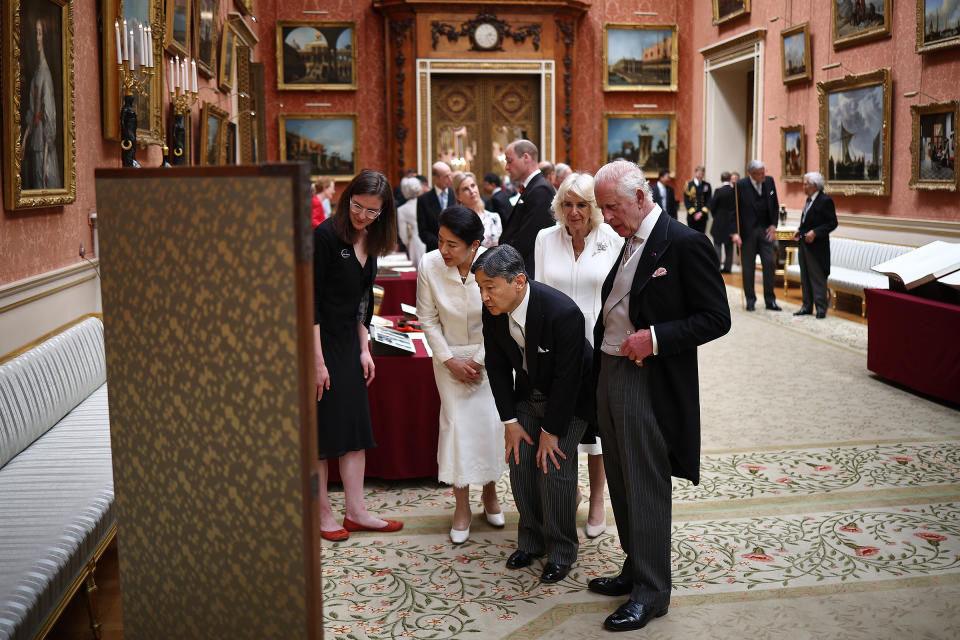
176 73
131 50
170 78
116 31
193 64
149 34
126 54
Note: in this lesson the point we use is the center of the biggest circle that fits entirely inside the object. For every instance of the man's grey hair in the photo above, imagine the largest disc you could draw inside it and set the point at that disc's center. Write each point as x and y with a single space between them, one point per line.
562 170
410 188
699 167
523 146
628 177
815 178
755 165
501 261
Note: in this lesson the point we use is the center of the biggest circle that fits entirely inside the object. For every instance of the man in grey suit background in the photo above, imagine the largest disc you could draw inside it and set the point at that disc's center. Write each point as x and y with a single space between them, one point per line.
662 299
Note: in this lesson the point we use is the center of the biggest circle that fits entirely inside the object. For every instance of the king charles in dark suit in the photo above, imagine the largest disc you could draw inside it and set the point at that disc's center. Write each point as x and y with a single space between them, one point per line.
757 208
431 203
662 299
696 199
539 365
817 220
532 211
663 195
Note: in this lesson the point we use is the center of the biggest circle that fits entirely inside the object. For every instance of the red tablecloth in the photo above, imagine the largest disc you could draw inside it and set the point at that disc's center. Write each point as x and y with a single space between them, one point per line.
397 290
405 414
915 342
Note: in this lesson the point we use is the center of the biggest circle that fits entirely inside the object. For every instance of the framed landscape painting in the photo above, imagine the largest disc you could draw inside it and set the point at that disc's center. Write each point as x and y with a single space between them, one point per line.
328 143
724 10
854 135
213 134
316 55
795 53
205 24
639 57
793 153
179 27
228 49
934 146
938 24
859 21
649 140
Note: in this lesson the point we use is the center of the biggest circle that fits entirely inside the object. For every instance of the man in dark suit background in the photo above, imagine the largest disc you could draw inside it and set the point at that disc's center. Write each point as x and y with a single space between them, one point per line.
539 363
696 199
723 207
499 199
757 210
817 220
532 211
663 194
662 299
430 204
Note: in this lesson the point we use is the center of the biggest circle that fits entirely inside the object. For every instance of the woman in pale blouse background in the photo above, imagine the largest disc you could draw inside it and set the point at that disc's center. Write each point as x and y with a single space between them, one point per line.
470 449
468 195
575 257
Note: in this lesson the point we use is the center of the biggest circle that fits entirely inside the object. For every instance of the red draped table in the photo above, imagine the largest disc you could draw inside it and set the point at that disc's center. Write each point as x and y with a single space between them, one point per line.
397 290
914 342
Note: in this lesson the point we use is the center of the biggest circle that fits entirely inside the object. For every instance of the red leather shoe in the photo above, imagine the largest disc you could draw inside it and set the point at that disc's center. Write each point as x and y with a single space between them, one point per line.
335 536
392 525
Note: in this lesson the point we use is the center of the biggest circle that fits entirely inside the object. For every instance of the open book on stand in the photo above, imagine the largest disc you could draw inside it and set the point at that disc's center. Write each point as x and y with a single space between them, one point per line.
923 264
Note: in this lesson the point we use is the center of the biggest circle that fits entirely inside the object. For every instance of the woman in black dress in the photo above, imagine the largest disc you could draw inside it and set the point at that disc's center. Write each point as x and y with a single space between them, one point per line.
346 247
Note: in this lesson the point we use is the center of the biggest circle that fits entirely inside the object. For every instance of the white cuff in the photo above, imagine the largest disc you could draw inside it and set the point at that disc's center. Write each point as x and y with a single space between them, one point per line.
653 338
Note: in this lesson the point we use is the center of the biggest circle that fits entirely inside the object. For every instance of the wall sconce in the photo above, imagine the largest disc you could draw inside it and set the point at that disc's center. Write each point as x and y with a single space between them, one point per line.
913 94
834 65
182 84
135 67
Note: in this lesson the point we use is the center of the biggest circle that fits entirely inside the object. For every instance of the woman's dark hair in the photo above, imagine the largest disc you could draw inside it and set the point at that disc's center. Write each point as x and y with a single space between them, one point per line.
463 223
382 232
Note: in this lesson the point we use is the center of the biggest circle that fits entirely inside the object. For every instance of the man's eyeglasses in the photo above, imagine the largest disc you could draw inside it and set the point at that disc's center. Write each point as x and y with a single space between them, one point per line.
372 214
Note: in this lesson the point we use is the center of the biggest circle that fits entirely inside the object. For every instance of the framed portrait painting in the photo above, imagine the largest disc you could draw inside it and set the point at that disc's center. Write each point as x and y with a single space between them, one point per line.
795 53
328 143
854 135
38 91
205 26
934 146
938 25
649 140
793 153
639 57
213 134
316 55
179 27
724 10
859 21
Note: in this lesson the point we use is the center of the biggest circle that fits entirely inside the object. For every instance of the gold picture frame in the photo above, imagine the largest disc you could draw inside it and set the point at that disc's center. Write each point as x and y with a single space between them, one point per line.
934 146
39 167
725 10
207 19
851 29
795 54
655 68
149 106
178 35
213 134
793 153
301 67
228 52
844 145
655 148
930 40
322 141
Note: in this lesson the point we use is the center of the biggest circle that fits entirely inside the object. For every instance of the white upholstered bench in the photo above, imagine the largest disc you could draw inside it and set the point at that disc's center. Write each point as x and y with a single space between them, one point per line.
850 262
56 477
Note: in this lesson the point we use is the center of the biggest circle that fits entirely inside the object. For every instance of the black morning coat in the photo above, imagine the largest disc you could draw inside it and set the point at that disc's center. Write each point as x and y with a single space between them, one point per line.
687 306
531 213
821 218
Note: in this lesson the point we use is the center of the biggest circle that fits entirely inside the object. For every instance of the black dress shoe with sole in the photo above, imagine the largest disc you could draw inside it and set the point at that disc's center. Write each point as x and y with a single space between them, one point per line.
520 559
634 615
774 307
751 306
616 586
554 572
821 315
802 312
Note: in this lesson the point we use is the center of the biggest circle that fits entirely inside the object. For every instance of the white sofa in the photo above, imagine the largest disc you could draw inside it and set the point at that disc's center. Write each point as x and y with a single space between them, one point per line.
56 478
850 263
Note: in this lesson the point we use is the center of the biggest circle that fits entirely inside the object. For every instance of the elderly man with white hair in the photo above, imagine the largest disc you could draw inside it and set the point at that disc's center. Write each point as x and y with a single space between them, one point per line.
817 220
757 210
407 220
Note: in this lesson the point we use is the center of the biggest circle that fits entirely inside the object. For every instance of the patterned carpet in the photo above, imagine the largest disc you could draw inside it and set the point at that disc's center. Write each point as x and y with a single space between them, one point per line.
829 506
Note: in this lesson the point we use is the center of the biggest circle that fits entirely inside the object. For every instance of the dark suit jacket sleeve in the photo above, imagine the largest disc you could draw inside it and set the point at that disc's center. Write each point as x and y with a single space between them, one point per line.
427 227
704 295
773 211
828 216
497 363
568 369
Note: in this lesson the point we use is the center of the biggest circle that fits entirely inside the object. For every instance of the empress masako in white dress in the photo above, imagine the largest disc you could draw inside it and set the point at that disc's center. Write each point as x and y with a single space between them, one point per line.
470 450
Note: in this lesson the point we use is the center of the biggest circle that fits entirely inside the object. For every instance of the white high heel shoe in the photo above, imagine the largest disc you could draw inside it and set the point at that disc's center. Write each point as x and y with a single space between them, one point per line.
458 536
593 531
495 519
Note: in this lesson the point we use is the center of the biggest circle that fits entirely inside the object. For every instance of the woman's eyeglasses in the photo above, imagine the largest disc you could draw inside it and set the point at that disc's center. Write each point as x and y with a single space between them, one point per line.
371 214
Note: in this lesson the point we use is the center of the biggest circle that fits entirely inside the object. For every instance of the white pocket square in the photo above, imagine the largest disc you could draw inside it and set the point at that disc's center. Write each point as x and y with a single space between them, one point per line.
542 350
659 272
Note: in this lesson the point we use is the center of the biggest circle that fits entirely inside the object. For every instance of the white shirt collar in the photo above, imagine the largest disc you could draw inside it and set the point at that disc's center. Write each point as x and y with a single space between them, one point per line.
527 180
814 196
756 185
648 223
439 191
519 315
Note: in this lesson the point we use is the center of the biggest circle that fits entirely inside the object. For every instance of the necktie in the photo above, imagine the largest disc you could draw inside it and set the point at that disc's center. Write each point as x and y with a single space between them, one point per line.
806 207
520 190
443 200
633 242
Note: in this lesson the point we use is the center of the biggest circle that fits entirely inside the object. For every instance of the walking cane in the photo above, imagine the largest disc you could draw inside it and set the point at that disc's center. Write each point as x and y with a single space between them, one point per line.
736 204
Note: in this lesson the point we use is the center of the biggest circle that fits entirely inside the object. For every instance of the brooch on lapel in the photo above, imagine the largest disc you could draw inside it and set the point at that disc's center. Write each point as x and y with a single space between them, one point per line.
659 272
344 253
601 246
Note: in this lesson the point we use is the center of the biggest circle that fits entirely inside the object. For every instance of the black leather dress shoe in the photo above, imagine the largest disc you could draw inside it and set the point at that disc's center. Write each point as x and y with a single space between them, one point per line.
520 559
802 312
774 307
821 315
554 572
616 586
633 615
751 306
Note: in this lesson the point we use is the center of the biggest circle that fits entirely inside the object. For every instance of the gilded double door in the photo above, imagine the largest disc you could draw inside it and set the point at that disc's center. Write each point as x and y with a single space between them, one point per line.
475 116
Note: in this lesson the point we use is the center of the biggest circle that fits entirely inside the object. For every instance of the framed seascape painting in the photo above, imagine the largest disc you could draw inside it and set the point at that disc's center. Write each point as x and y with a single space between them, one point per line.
649 140
934 146
179 27
724 10
316 55
205 25
38 123
938 24
854 135
639 57
328 143
793 153
228 49
213 134
795 53
858 21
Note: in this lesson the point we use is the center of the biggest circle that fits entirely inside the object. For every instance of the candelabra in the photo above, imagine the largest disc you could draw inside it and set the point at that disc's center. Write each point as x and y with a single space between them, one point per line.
135 67
182 85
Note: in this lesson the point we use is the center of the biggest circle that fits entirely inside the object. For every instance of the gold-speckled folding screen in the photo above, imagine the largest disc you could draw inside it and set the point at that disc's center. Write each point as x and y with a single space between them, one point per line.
207 309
